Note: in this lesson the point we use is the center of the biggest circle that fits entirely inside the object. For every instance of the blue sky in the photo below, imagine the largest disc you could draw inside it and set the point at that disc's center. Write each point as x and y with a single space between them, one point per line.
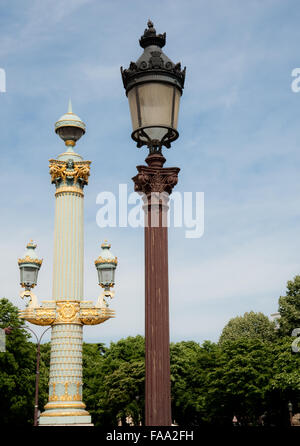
239 144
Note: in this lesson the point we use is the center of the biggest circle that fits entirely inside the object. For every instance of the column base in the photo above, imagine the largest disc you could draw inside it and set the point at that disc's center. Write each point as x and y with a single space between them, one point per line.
65 415
71 418
82 420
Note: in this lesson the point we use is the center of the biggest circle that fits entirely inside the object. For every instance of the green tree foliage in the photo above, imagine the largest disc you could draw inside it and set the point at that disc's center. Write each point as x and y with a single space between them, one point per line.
289 308
286 366
284 385
250 372
239 382
190 364
44 374
114 381
251 325
17 370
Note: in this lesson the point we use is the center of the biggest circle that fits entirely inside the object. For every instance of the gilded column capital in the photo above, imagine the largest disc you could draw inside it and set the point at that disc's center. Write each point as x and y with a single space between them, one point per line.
69 173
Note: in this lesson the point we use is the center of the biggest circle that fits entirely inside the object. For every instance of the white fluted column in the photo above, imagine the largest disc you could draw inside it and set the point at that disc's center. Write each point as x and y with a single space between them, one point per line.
65 383
65 404
68 244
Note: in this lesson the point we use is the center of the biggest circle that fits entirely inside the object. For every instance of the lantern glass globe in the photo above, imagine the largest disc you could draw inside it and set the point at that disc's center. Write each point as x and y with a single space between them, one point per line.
154 108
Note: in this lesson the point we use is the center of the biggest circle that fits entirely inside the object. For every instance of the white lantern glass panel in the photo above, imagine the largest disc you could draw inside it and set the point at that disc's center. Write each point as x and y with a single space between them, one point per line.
28 275
154 106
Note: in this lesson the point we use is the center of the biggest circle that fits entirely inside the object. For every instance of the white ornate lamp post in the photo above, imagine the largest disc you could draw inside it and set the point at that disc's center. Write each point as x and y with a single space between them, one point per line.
67 312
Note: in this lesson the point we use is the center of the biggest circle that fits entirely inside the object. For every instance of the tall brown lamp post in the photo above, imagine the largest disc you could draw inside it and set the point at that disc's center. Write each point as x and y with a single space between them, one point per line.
154 86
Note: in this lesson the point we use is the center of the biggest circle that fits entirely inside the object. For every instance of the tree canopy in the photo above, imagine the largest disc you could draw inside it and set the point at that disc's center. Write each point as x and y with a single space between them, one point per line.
114 381
251 373
17 370
289 308
251 325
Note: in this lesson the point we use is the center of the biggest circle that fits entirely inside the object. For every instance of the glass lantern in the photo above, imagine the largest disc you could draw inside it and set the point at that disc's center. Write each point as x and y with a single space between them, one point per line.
154 110
106 265
29 266
154 86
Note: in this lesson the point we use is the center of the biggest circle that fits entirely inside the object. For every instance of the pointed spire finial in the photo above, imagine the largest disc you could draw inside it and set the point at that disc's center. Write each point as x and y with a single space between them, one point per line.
70 127
150 23
70 106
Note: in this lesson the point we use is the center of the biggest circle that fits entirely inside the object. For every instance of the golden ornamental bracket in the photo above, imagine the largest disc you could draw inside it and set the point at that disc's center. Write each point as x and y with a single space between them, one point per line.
66 312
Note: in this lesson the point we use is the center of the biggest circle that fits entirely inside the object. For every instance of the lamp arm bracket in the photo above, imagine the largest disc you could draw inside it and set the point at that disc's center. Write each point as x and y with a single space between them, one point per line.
33 302
101 302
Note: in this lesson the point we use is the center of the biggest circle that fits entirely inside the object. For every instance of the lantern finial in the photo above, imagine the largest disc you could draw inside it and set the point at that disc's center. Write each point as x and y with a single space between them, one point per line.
151 38
105 245
31 244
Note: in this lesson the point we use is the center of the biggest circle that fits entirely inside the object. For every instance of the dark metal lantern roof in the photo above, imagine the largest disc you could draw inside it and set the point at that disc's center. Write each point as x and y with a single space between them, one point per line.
153 65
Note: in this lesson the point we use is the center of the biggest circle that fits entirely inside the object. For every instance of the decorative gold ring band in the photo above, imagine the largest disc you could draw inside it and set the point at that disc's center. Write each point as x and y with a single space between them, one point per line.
80 413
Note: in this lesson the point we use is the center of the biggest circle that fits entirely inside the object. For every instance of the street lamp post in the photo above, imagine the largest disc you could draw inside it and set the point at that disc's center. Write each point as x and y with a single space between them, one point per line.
154 86
290 407
37 373
68 311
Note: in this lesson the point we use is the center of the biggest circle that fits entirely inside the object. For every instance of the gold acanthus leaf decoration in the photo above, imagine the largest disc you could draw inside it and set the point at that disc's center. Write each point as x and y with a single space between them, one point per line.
60 170
28 259
95 316
38 316
66 312
102 260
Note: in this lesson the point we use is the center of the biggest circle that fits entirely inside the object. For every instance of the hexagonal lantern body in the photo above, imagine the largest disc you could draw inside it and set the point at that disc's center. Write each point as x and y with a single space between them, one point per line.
154 86
29 266
106 265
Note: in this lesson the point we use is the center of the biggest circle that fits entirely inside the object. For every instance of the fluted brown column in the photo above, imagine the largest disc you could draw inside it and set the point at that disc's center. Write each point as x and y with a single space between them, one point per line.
156 184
